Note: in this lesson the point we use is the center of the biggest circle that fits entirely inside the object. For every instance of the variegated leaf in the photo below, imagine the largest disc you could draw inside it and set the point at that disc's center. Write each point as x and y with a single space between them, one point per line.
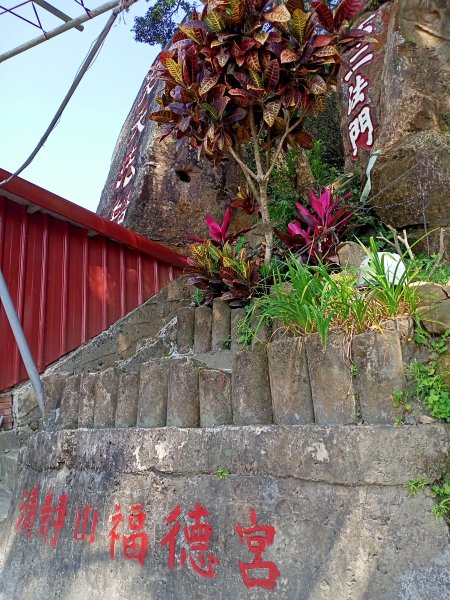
279 15
327 51
272 75
175 70
324 14
292 5
270 113
208 82
223 57
304 140
298 23
317 85
238 13
256 78
214 21
261 36
253 61
288 56
193 34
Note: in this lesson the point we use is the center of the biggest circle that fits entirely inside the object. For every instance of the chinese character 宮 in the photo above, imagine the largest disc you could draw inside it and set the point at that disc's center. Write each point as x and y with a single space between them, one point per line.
80 533
29 510
197 537
258 537
135 545
360 131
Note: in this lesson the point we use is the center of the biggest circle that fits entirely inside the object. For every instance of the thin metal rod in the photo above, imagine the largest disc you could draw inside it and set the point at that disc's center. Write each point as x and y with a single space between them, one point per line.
21 341
56 12
62 28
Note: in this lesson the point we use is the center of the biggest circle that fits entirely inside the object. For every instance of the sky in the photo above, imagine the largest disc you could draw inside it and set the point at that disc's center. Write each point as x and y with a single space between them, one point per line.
75 160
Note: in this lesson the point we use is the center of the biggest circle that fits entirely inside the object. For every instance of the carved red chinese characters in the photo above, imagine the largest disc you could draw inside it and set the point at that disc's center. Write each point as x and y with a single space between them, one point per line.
258 537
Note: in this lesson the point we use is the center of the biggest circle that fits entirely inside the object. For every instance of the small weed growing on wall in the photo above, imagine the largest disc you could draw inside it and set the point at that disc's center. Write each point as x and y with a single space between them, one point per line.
440 490
353 370
430 387
223 473
415 486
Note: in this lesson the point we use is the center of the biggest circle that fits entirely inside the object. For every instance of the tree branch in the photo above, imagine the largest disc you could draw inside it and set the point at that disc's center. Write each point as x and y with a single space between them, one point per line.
241 163
289 128
256 150
247 172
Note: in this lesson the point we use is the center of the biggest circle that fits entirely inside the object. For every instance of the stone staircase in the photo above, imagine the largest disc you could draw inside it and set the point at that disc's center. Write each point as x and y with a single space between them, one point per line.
207 379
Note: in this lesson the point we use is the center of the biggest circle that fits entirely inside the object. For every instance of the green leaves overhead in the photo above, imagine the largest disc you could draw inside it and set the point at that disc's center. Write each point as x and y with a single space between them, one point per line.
277 59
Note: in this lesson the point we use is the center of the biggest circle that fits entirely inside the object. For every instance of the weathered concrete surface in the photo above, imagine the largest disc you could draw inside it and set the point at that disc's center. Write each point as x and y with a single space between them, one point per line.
379 361
331 382
344 525
289 382
252 403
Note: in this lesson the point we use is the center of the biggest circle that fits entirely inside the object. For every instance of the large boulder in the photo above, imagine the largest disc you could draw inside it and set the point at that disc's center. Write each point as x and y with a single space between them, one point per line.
403 89
159 189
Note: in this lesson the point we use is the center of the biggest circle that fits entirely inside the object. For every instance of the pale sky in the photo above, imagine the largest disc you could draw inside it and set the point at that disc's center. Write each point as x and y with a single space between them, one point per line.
74 162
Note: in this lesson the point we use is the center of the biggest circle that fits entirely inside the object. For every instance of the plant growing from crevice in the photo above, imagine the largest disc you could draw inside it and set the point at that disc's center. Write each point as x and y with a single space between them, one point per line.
248 72
440 490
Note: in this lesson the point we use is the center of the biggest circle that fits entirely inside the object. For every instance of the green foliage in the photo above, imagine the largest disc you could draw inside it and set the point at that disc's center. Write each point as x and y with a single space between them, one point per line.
223 473
323 172
441 493
439 489
313 299
431 269
392 296
158 26
436 345
401 400
353 370
282 189
429 386
415 486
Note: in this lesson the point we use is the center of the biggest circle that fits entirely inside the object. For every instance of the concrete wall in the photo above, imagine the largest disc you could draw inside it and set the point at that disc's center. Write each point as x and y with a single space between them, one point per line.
331 515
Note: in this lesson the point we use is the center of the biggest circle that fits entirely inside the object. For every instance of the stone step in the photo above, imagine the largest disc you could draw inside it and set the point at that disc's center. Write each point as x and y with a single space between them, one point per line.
289 381
8 468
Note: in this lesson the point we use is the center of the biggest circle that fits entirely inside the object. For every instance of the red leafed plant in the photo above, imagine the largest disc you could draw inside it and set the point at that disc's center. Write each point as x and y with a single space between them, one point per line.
316 236
251 71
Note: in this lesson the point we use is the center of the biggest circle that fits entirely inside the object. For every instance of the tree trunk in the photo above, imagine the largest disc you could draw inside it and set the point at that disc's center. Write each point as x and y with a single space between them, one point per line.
268 231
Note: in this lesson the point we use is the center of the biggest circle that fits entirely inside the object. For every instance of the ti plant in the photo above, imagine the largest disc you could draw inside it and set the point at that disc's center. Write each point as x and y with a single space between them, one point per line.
248 72
315 237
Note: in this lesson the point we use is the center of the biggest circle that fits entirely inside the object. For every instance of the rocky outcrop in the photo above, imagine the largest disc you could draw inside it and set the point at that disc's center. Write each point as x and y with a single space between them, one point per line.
159 188
406 96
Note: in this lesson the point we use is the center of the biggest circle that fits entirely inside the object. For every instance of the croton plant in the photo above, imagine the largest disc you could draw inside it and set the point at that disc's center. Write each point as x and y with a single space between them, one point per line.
247 73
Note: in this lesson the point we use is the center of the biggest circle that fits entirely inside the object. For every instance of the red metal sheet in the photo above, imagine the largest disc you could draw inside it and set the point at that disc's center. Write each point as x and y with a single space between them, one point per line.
76 324
56 298
70 273
96 286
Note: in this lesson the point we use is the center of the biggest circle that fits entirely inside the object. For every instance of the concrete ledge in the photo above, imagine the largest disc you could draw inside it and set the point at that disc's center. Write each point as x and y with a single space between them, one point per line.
347 455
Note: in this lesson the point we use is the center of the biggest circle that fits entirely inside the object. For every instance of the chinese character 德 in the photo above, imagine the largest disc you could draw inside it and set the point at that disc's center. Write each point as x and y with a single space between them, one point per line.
196 537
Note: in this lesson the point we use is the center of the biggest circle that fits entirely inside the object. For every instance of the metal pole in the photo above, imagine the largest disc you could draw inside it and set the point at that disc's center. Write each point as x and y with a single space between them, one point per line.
22 343
56 12
62 28
84 67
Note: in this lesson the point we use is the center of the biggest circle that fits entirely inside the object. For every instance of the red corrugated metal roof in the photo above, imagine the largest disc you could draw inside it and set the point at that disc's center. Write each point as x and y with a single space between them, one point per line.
70 273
